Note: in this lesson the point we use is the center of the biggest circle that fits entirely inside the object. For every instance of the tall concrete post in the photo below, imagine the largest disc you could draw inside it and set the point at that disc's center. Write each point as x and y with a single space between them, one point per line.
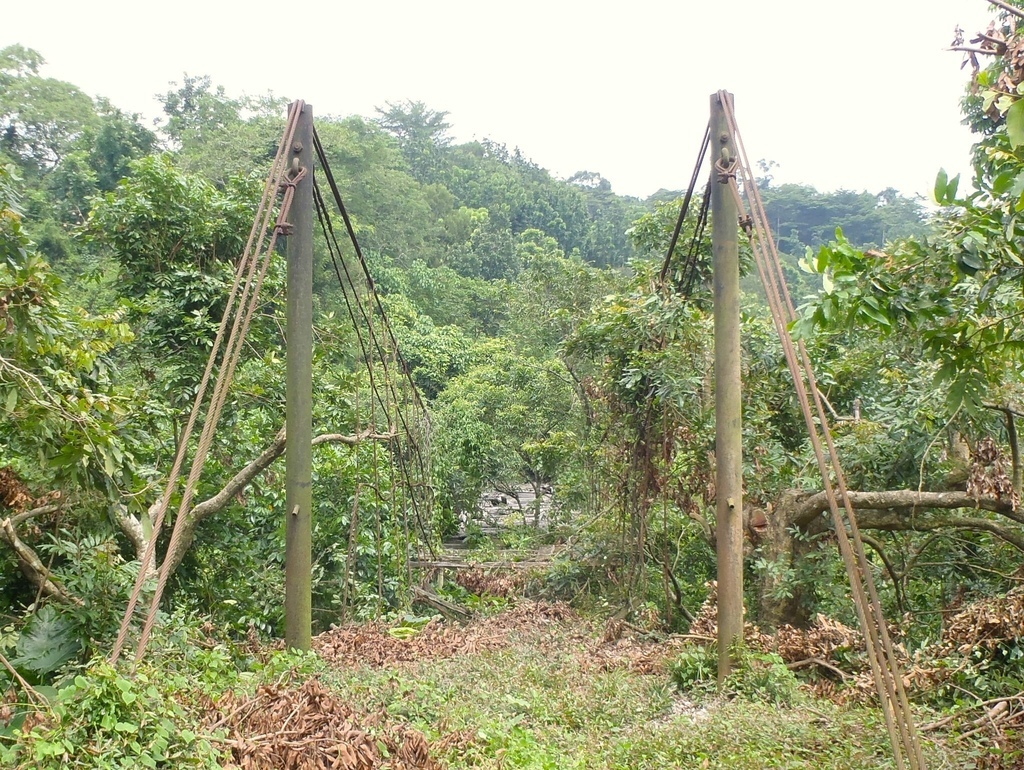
299 408
728 396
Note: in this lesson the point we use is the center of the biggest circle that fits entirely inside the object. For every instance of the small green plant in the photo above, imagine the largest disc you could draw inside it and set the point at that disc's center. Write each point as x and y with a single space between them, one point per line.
695 668
762 676
410 626
475 536
102 719
756 676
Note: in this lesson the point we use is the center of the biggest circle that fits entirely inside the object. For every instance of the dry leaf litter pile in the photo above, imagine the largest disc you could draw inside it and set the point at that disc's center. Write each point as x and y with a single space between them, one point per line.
373 644
309 728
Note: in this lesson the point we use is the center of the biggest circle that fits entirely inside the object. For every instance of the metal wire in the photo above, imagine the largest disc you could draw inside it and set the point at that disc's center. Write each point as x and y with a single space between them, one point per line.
884 665
250 279
705 142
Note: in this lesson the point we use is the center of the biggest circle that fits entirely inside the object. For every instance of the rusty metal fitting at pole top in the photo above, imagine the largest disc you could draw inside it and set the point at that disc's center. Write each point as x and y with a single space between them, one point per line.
288 184
294 175
725 168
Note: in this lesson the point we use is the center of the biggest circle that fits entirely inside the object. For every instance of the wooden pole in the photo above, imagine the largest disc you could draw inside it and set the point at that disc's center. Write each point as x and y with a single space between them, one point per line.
299 408
728 403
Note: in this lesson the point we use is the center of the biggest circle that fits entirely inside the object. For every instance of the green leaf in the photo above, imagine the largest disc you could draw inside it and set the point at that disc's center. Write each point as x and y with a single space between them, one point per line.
951 189
876 315
1015 123
970 263
47 642
1003 182
12 399
941 181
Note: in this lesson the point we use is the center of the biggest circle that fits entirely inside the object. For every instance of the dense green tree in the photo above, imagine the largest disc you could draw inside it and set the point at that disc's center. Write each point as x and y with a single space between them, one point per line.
68 147
176 239
507 419
801 216
422 136
219 136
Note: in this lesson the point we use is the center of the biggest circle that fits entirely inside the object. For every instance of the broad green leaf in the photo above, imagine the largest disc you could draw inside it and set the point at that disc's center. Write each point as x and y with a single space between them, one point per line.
951 189
47 642
971 262
876 315
1015 123
1003 182
941 180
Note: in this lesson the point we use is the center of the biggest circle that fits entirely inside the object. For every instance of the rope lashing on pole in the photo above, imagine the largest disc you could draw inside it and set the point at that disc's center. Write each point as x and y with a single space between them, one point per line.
885 667
227 347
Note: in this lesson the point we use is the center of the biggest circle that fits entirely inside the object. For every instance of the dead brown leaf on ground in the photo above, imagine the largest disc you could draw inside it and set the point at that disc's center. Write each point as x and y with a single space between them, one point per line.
281 727
630 652
505 583
372 644
987 623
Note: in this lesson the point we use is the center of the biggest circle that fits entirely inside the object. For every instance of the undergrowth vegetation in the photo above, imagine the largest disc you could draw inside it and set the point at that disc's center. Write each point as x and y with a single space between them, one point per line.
152 715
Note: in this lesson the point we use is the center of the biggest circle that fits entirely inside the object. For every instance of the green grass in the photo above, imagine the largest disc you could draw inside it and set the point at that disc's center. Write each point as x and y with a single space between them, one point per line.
538 704
544 701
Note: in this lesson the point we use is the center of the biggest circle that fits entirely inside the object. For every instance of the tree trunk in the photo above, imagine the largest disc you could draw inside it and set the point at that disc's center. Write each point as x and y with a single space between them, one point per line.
780 598
538 496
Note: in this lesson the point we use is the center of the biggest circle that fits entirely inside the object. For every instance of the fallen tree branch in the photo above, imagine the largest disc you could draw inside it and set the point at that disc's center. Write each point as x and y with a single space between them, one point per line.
32 694
892 521
989 706
32 566
902 500
968 49
446 608
38 574
42 510
1012 10
818 662
338 438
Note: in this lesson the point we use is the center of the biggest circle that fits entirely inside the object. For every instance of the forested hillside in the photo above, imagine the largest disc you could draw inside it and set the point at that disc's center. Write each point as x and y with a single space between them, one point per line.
555 350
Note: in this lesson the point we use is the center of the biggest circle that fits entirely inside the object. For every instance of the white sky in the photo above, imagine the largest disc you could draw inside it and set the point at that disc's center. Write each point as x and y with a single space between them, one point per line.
857 94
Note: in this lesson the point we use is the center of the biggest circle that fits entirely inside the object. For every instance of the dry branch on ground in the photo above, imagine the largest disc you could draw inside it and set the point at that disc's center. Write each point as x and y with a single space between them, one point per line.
308 728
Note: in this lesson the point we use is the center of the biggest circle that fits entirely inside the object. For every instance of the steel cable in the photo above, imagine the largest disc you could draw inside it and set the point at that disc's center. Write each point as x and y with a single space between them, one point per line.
334 250
885 667
239 320
339 202
705 142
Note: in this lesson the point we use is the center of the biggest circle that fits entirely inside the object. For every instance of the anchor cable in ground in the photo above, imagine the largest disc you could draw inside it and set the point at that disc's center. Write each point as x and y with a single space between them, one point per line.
884 665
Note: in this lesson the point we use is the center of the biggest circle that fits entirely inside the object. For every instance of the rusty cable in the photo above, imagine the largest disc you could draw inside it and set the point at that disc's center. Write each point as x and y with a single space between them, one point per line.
684 209
245 277
885 668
